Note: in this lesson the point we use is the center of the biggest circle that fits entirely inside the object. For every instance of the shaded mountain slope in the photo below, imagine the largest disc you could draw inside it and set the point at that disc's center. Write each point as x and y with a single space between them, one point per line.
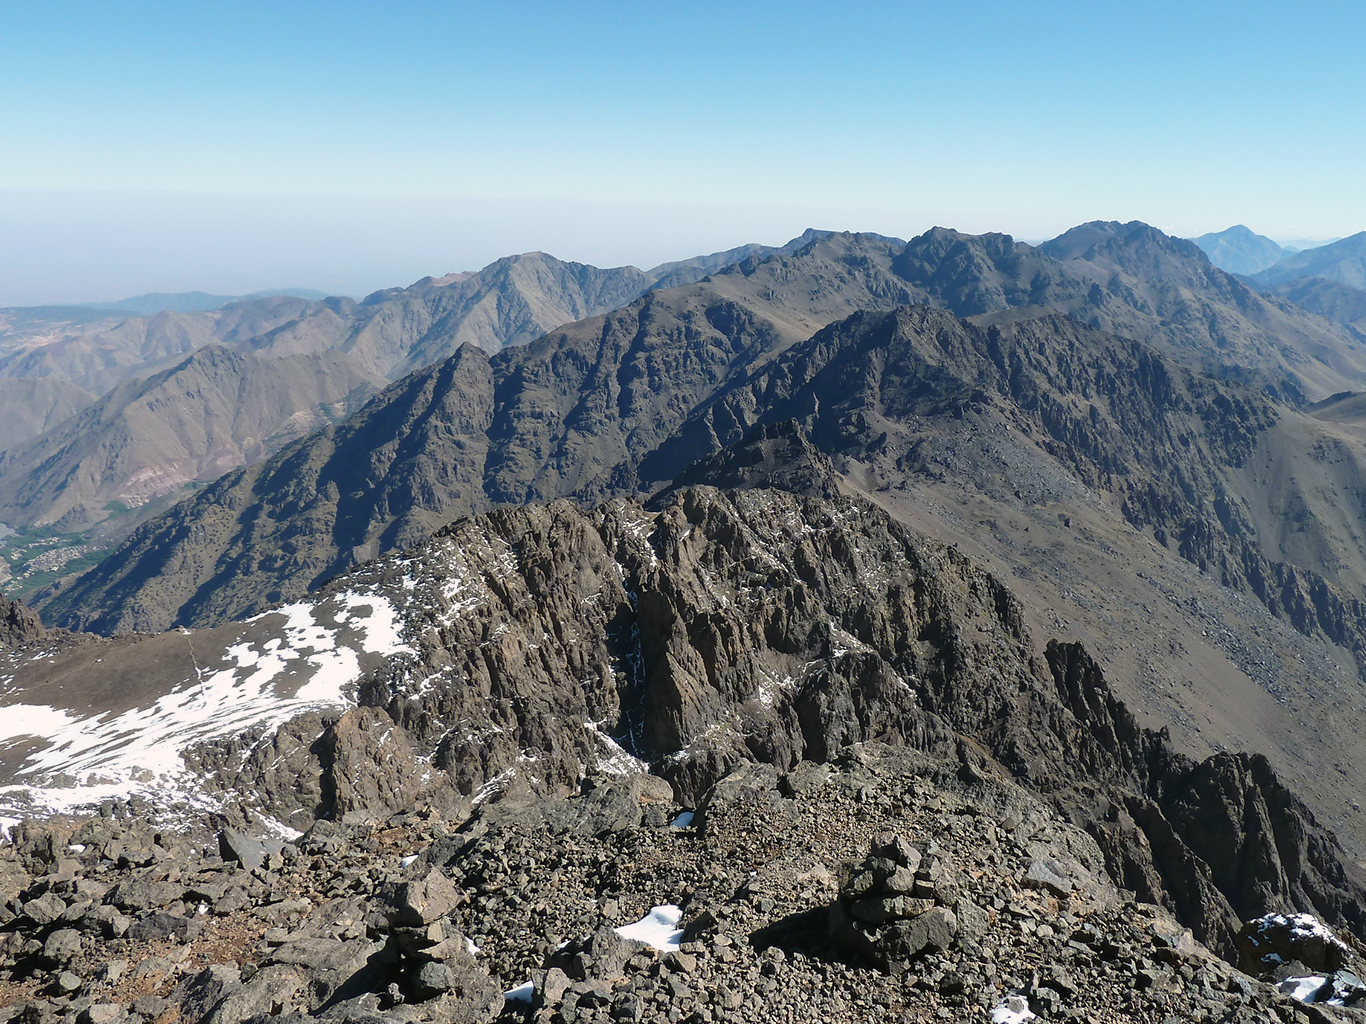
31 405
1343 261
150 437
1239 250
558 417
575 412
1332 300
1191 458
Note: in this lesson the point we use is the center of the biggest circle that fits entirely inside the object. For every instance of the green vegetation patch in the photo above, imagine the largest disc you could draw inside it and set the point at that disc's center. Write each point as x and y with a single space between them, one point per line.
33 556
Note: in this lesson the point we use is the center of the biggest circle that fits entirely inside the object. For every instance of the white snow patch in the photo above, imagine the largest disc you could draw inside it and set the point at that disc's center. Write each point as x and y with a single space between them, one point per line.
682 821
619 762
469 944
32 720
138 751
493 786
1302 989
410 859
1011 1010
523 993
659 928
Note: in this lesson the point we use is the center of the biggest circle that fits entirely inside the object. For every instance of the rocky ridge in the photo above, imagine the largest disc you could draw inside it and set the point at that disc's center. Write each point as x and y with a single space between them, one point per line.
801 674
725 629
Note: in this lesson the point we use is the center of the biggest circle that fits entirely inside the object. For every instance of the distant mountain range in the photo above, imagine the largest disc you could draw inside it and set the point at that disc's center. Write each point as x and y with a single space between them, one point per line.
601 406
538 423
1343 261
192 302
217 410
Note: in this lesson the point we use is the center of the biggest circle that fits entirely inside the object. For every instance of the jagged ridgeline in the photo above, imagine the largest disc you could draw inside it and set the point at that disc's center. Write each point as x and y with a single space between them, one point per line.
758 625
618 405
803 673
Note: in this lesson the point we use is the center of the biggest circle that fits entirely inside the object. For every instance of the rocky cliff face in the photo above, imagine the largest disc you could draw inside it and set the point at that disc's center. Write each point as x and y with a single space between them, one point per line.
781 667
759 626
19 626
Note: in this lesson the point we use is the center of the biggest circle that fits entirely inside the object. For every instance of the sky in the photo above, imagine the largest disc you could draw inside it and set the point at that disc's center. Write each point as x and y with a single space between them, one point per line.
353 146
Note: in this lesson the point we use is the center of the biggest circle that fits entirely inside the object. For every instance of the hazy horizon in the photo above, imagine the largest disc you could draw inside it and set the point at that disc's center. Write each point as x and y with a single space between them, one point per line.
78 254
154 147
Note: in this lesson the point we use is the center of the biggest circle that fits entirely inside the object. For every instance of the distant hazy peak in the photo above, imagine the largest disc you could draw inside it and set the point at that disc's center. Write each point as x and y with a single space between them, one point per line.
1239 249
196 302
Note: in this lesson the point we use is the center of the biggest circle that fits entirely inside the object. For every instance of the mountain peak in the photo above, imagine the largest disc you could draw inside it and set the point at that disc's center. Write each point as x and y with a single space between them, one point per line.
1239 250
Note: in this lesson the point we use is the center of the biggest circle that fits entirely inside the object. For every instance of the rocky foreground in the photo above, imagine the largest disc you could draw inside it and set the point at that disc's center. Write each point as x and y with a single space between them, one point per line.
886 885
748 756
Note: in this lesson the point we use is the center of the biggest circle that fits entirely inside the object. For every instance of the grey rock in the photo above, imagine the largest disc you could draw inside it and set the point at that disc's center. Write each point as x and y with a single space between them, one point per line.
271 990
422 902
931 932
135 895
198 994
45 909
69 982
552 986
322 954
112 971
62 946
247 850
166 926
432 979
973 922
1048 875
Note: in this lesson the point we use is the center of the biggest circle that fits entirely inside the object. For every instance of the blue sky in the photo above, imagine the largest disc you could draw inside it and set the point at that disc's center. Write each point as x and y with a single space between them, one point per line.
350 146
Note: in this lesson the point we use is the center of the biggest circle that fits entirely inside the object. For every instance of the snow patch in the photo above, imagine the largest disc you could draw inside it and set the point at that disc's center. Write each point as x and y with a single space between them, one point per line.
619 762
88 759
1011 1010
682 821
1302 989
659 928
523 993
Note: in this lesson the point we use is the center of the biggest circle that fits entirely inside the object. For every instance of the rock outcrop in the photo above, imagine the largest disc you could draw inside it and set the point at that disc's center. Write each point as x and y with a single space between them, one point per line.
19 625
758 626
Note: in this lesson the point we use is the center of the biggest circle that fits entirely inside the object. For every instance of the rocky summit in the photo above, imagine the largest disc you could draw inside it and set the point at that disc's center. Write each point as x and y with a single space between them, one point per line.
745 755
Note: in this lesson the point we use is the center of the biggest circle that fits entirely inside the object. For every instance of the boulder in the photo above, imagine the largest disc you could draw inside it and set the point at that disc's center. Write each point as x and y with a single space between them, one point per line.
247 850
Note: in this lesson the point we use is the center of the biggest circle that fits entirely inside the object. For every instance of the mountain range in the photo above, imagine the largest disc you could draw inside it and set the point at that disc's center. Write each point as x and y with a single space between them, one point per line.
193 302
1343 261
1041 568
586 408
